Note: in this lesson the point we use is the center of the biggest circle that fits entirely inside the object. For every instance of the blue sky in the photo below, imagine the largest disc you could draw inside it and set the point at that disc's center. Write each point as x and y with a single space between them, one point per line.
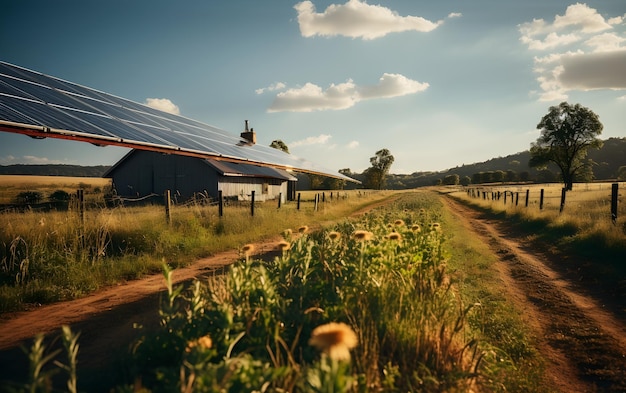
438 83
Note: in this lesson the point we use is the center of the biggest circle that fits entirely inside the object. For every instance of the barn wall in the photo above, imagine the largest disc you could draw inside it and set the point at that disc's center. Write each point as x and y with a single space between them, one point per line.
144 173
242 187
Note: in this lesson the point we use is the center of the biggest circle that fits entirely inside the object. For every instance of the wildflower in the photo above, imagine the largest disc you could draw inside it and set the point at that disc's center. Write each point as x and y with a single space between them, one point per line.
334 339
303 229
362 235
283 245
436 226
398 223
415 228
395 236
422 211
42 222
205 342
248 249
334 235
287 233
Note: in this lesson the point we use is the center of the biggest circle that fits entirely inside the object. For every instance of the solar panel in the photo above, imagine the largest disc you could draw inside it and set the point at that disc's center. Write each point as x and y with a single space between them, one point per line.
42 106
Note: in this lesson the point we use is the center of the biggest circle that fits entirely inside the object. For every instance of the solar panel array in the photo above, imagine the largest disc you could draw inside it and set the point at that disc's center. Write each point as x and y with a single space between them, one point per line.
44 106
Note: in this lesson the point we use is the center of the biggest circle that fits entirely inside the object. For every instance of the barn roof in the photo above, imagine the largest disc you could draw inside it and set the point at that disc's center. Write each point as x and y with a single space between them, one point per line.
43 106
246 170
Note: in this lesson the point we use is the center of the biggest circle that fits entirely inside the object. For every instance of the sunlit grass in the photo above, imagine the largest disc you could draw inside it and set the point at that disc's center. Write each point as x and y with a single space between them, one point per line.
57 255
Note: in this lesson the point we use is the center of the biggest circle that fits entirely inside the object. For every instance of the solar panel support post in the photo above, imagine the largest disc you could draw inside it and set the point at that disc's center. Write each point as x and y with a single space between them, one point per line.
220 202
168 204
252 204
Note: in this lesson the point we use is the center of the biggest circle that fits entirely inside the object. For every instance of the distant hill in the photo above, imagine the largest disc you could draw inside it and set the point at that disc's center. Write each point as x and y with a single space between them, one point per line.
608 159
54 170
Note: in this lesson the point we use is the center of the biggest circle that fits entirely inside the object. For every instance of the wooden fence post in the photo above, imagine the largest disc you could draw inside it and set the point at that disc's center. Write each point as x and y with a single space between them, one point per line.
541 200
252 204
280 197
505 197
168 205
527 192
516 198
80 199
614 189
298 205
317 197
563 192
220 197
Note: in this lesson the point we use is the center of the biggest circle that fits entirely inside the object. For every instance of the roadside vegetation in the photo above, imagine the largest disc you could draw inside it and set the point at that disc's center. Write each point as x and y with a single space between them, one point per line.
49 256
400 299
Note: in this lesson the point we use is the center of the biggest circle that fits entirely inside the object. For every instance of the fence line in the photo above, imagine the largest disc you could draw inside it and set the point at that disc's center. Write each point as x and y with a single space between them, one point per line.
491 194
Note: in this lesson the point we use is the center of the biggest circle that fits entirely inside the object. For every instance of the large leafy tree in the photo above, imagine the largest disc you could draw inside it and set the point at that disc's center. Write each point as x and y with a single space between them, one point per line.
375 175
567 132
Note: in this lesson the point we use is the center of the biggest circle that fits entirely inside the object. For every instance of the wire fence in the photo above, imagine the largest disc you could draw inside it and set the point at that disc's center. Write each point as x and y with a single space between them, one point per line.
604 198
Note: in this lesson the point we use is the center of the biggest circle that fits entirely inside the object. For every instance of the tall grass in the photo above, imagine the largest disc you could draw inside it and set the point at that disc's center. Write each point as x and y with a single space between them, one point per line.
365 305
52 256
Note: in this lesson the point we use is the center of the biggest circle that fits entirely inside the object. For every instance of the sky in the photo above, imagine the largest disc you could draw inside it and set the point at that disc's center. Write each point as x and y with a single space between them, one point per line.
439 83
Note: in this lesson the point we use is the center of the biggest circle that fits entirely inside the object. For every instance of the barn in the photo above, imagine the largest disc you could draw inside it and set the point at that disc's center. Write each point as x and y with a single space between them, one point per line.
142 173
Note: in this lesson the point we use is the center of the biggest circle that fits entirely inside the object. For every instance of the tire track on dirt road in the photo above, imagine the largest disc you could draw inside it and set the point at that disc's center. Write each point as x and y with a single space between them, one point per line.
583 344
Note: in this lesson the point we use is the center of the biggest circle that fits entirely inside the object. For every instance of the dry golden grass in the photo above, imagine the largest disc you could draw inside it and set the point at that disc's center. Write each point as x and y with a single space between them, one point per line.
12 185
587 205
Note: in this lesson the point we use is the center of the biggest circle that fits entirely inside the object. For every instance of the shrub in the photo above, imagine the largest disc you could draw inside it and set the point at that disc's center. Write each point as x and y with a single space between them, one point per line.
29 197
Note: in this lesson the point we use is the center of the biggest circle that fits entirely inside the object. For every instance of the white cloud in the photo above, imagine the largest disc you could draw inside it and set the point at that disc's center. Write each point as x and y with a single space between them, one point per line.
605 42
272 87
311 97
163 104
357 19
353 145
596 58
582 16
312 140
455 15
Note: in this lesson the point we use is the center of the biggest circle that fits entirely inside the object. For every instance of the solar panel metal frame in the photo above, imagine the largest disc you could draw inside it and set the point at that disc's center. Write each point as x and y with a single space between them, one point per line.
42 106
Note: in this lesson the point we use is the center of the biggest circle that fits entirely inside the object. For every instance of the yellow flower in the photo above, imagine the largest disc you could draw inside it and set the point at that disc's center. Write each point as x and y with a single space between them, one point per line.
283 245
436 226
287 233
334 339
333 235
362 235
395 236
205 342
398 223
415 228
248 249
303 229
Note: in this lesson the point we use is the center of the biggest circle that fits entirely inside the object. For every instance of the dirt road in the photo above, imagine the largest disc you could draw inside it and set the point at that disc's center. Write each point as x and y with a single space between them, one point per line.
583 341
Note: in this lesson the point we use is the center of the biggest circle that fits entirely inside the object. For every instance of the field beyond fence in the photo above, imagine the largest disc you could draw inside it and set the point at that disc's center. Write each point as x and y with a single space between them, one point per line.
588 210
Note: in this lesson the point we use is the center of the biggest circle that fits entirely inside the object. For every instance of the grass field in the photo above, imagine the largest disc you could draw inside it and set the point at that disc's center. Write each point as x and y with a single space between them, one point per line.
12 185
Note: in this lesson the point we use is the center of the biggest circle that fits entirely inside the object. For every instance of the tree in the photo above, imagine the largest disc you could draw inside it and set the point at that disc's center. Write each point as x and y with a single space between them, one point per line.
280 145
621 173
451 180
375 175
567 132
